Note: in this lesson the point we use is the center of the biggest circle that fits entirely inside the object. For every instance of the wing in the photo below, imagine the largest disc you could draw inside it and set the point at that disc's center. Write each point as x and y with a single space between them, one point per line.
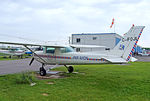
35 44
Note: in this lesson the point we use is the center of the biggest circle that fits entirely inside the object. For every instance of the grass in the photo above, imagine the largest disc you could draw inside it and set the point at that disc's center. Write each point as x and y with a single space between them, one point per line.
26 77
99 83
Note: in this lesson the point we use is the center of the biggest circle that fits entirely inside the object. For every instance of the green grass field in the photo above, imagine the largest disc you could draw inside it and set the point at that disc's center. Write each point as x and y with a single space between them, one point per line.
99 83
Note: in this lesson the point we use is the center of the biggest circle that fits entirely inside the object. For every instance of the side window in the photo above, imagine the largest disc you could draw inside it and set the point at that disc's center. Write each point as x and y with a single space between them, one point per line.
78 40
50 50
66 50
63 50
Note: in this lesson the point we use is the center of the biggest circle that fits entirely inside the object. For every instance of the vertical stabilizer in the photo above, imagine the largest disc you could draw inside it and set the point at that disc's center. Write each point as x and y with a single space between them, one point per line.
127 44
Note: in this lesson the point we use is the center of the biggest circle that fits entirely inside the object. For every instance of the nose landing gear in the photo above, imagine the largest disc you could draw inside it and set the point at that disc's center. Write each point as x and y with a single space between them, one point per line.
42 70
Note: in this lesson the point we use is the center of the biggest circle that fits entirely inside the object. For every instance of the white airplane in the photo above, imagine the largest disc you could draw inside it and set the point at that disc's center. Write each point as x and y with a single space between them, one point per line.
65 55
13 52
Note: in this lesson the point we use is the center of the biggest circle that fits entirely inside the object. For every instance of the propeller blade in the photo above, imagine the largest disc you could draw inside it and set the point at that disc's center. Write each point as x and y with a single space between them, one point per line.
31 61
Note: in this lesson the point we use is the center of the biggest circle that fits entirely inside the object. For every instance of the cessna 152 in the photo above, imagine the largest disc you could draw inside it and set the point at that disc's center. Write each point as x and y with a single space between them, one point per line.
65 55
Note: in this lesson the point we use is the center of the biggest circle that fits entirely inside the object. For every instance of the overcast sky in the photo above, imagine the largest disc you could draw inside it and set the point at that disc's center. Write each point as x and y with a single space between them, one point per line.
51 20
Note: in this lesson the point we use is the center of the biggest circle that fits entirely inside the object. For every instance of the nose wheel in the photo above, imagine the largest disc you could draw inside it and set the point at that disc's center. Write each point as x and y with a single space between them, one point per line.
42 71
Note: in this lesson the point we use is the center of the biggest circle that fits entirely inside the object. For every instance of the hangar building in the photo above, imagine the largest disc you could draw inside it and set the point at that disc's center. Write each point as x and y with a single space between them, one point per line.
110 40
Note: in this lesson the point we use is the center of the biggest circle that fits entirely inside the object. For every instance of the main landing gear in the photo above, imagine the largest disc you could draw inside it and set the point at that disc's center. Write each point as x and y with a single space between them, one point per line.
70 69
43 71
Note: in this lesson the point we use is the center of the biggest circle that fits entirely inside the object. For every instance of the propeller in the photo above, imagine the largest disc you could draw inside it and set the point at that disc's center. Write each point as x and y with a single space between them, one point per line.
31 61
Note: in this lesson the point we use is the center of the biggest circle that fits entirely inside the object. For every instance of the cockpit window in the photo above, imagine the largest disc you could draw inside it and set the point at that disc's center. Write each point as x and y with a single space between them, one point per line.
66 49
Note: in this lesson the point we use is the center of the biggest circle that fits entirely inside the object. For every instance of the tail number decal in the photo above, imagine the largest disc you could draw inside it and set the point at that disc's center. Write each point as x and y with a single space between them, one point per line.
129 39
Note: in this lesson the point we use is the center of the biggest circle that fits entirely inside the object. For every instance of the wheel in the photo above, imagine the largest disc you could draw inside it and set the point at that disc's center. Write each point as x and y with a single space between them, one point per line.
70 69
42 71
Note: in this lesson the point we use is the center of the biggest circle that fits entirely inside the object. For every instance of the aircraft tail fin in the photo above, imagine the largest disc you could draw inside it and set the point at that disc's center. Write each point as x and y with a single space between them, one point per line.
127 44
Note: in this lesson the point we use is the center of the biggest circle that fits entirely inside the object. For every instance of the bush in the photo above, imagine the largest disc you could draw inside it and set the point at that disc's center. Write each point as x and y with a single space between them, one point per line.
25 78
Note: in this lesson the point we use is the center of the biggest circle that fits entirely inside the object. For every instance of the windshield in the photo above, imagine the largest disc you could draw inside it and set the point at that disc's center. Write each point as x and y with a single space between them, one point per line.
66 49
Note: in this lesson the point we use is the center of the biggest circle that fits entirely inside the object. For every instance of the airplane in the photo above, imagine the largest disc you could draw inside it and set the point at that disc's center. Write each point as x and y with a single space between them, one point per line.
13 52
65 55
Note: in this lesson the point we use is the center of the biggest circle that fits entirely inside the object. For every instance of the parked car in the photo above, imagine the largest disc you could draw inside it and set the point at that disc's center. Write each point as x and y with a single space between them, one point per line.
143 54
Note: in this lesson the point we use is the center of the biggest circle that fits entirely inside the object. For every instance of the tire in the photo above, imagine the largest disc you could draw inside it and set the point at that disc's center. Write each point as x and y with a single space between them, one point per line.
42 71
70 69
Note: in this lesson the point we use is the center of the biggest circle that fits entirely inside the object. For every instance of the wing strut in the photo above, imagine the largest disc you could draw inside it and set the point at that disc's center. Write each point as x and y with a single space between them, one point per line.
34 53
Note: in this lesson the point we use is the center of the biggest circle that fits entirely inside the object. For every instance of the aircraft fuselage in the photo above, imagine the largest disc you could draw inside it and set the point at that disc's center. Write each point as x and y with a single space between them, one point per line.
72 58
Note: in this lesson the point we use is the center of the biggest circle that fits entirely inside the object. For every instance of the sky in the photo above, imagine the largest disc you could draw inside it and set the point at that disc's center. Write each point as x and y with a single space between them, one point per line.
56 20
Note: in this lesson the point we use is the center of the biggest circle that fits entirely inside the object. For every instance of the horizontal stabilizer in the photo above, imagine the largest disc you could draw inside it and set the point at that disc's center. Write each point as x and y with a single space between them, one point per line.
133 59
116 60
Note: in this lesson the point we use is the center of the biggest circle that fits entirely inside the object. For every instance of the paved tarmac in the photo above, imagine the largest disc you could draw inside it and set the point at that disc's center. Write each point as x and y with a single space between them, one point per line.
143 58
15 66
